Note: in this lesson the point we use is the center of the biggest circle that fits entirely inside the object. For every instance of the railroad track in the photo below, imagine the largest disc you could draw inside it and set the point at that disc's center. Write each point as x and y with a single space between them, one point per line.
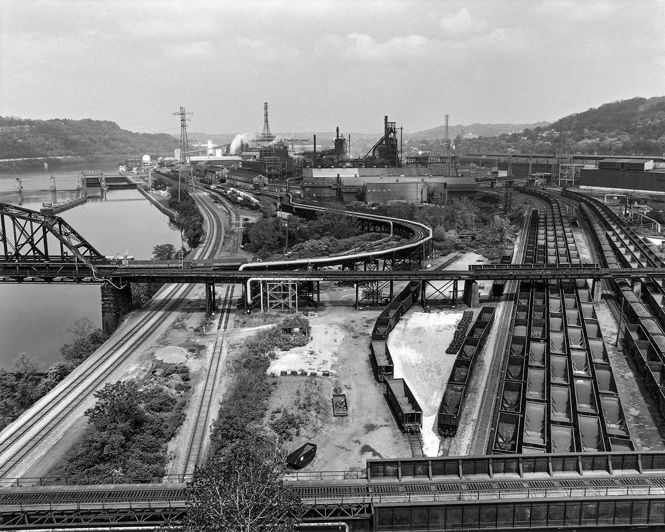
41 420
485 422
28 437
416 443
334 490
234 218
195 451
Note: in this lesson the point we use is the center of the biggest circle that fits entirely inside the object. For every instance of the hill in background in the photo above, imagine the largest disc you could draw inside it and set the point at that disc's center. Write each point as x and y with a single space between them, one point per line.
626 127
87 138
475 130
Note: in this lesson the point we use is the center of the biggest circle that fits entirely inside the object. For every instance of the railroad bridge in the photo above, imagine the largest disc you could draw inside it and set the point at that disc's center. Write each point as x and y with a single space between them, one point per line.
38 248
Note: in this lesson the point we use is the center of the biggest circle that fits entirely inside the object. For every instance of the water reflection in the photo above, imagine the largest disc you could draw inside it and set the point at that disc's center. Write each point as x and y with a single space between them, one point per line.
35 319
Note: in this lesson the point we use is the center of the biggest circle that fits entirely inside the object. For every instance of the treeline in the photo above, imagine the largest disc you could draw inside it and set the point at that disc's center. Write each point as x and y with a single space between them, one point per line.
334 232
189 220
627 127
328 233
24 384
460 224
88 138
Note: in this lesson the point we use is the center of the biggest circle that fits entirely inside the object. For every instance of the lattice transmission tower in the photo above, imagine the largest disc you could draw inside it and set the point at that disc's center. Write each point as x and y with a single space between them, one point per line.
184 143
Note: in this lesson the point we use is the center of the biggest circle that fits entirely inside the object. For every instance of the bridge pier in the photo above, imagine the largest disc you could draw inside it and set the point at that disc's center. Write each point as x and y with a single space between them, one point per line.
211 300
471 297
116 302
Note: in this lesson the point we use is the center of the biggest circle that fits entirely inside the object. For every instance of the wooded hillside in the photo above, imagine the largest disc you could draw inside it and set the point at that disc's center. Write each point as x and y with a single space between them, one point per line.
626 127
21 138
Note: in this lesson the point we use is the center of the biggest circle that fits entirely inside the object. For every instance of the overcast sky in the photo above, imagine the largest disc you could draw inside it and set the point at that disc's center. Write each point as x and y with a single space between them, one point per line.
321 64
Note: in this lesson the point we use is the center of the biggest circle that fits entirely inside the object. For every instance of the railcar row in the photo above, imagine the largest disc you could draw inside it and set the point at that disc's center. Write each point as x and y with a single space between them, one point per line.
382 361
644 336
558 393
398 394
457 388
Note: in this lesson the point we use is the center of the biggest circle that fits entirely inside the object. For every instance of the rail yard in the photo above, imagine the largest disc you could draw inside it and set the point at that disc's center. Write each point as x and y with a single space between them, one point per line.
534 429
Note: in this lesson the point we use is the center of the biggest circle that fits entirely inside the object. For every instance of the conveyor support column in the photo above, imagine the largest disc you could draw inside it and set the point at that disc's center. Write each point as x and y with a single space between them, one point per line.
471 298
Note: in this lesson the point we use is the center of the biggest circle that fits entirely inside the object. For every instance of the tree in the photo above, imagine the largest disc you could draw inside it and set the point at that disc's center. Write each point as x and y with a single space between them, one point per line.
163 251
117 404
86 341
241 489
25 369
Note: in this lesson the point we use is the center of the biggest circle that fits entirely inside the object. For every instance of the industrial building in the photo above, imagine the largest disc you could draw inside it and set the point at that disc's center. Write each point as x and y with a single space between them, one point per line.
626 174
381 185
245 179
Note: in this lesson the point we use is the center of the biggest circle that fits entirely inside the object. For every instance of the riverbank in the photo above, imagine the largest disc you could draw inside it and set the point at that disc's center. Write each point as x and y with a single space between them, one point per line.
37 163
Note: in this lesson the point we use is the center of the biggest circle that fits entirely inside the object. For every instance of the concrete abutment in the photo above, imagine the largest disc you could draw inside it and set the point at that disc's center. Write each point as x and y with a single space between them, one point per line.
116 302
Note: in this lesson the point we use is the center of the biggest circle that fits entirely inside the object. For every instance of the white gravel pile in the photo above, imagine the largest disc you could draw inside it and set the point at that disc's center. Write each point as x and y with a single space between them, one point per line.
418 347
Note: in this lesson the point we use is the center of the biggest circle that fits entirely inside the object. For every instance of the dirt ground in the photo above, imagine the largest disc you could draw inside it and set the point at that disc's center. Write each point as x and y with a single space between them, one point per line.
340 345
340 337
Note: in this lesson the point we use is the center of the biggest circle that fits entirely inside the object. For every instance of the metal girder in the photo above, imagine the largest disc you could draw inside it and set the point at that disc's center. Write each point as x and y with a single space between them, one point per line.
211 301
440 292
317 511
372 292
282 296
77 515
24 236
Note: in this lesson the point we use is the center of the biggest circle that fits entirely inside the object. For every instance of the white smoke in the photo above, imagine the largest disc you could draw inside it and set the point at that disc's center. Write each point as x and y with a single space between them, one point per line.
239 138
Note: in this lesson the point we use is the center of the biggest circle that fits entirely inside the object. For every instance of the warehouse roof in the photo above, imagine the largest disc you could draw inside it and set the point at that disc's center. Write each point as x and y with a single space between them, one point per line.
638 161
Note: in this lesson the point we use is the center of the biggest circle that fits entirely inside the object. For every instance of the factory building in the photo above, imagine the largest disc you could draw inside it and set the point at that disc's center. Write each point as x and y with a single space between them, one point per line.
625 175
244 179
381 185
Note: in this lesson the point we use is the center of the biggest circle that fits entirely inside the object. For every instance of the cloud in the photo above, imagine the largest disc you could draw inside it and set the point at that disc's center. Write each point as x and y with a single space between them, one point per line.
189 50
461 24
576 11
364 48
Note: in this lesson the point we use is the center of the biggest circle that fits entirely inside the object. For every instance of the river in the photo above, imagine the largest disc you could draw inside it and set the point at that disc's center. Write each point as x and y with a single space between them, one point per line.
35 318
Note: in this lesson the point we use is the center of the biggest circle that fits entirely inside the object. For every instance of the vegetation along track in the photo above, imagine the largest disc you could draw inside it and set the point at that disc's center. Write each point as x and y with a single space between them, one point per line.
194 454
38 424
26 441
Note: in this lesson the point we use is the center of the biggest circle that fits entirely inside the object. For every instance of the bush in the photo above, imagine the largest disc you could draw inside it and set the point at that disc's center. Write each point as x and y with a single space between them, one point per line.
129 428
246 402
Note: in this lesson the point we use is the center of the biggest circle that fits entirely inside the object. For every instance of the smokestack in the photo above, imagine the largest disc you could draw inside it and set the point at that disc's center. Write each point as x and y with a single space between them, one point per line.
314 158
337 144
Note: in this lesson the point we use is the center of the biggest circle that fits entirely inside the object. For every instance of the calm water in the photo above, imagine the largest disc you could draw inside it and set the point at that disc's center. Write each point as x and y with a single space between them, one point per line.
34 319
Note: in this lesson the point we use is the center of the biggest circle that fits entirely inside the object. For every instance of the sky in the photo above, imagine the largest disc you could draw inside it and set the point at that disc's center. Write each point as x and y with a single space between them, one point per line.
321 64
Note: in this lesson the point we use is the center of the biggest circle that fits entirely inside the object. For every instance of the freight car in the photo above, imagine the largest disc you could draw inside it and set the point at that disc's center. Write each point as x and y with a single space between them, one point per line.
382 362
404 405
452 402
